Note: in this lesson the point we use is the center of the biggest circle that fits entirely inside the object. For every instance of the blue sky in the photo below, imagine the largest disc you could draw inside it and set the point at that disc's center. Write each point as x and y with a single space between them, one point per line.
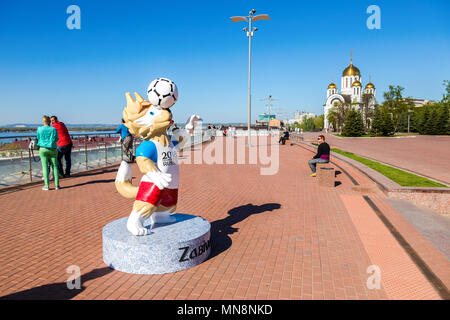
82 75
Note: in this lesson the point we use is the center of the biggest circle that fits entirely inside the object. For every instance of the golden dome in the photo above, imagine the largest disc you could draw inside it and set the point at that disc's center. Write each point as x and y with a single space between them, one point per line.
332 86
370 86
351 70
356 84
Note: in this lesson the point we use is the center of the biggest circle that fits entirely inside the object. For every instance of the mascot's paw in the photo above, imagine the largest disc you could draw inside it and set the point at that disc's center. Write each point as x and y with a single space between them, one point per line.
134 224
124 173
161 179
162 217
190 124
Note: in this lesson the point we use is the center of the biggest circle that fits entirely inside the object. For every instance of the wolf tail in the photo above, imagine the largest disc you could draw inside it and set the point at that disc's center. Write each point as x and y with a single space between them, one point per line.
123 181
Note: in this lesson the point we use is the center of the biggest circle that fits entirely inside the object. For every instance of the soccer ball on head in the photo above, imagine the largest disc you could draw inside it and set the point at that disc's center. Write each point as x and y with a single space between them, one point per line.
162 92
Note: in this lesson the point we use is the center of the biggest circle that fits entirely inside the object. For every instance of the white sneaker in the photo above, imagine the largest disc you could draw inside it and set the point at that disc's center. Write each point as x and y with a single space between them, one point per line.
57 188
45 188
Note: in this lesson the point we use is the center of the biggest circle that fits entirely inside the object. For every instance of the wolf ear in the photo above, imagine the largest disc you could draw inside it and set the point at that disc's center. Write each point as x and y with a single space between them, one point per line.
132 105
136 106
141 100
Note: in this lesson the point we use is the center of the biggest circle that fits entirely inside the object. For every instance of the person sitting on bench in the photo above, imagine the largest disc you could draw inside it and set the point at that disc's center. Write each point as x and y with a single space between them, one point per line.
284 137
322 156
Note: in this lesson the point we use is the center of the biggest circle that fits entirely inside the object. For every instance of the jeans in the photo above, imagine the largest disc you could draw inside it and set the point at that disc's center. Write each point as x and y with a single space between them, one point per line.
65 151
49 154
127 146
312 163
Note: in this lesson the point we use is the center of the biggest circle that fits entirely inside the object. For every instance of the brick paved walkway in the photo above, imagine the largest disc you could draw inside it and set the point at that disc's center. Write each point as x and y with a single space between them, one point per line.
273 237
426 155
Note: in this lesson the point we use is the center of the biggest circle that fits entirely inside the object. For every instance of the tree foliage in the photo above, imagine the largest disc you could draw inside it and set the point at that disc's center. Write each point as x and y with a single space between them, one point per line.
382 124
353 125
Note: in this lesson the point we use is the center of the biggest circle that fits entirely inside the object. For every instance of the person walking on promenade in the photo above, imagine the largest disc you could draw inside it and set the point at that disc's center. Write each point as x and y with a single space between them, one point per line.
64 147
322 156
127 141
47 137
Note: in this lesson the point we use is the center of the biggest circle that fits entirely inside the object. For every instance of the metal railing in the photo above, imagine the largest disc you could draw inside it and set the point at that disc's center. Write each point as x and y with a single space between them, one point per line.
20 164
297 137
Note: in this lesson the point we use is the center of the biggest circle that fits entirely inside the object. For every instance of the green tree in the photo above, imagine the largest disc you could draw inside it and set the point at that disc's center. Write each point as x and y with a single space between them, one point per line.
307 124
341 113
432 125
388 124
402 124
395 103
443 124
377 123
446 96
425 115
353 125
366 111
332 117
319 121
414 121
382 124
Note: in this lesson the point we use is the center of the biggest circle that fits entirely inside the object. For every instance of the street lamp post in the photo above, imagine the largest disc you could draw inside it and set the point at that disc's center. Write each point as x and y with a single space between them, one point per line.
250 31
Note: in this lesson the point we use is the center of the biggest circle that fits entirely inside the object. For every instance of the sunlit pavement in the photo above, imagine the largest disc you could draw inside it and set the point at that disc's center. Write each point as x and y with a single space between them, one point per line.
278 236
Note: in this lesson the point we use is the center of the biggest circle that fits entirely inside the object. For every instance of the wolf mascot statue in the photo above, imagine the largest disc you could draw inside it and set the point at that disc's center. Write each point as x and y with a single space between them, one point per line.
157 193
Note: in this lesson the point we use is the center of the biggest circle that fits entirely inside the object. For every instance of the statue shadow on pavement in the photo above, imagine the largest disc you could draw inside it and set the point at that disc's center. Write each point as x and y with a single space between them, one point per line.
59 290
221 229
89 182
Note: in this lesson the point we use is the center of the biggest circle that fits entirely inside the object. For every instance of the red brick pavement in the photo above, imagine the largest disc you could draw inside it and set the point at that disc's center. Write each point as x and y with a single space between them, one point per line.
273 237
425 155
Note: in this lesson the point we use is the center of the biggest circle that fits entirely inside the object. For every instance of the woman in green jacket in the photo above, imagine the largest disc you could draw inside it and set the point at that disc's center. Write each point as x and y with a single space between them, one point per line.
47 137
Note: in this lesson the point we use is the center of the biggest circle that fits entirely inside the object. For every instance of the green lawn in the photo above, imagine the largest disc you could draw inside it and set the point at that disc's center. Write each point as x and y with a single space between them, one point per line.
403 178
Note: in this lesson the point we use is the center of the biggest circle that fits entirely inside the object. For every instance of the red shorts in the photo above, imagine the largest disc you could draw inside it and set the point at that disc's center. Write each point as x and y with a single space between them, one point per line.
150 193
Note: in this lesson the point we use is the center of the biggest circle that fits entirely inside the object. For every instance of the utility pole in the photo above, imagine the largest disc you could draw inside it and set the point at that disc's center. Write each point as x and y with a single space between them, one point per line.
269 105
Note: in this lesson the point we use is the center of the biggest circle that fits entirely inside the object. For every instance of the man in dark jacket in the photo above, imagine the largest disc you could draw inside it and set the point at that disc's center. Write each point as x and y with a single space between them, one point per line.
322 156
64 146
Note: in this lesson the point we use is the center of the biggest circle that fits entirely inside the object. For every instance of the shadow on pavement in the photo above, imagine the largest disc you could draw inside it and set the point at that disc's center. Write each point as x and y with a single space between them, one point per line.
220 229
57 291
89 182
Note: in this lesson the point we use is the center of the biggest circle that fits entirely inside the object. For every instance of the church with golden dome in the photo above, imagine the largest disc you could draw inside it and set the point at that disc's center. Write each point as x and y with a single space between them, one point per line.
351 92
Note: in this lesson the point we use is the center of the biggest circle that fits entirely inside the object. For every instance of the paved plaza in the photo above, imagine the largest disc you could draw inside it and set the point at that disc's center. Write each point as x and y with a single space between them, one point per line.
276 236
424 155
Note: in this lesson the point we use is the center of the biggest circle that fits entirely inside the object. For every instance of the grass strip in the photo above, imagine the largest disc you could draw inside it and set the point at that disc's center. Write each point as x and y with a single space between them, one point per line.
403 178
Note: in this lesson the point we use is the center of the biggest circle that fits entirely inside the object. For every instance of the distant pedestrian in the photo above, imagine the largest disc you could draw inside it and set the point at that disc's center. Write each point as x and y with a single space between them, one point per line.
127 141
47 137
64 147
322 156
